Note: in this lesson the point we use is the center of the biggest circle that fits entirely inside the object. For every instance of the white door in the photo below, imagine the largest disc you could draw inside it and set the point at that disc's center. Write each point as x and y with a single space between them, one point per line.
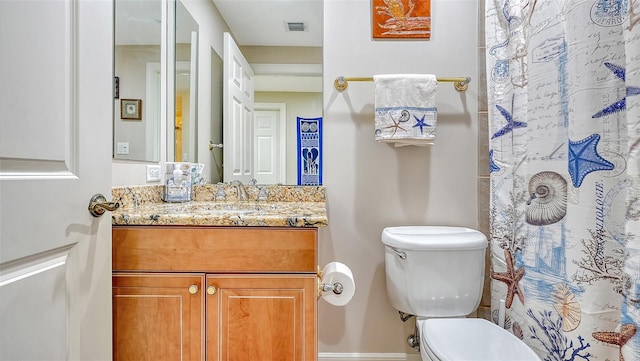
237 114
56 112
267 167
270 143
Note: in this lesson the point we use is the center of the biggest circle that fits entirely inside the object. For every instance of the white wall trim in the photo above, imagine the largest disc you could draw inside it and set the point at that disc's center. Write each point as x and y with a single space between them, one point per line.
331 356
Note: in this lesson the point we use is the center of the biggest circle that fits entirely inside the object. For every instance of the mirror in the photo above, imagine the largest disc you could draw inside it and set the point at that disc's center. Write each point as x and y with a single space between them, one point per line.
136 133
285 62
282 42
186 90
137 52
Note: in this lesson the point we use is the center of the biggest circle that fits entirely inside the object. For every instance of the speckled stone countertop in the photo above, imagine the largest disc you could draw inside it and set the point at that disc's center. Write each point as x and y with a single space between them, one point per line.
285 206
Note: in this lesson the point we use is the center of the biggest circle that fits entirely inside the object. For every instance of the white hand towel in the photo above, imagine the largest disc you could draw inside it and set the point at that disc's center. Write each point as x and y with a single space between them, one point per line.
406 108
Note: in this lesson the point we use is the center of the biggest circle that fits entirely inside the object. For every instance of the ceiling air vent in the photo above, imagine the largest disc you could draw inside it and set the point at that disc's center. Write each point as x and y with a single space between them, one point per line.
296 26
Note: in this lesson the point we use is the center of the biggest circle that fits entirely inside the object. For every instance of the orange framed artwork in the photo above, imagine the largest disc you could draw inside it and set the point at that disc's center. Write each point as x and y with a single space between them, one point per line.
401 19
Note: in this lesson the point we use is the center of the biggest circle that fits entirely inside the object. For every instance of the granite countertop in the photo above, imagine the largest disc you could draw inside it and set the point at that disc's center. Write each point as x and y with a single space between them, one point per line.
285 206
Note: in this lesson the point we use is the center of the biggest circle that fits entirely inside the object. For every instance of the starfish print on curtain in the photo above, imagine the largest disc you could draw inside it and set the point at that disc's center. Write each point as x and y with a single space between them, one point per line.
584 159
511 278
621 104
511 123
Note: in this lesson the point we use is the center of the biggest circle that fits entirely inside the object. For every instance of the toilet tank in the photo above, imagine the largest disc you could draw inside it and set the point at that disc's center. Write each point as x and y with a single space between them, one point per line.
434 271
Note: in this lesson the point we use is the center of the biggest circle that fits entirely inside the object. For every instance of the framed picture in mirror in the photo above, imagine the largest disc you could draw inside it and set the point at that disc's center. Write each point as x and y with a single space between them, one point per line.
131 109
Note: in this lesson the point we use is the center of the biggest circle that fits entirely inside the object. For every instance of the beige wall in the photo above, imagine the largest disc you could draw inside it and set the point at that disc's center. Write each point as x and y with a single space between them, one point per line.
370 185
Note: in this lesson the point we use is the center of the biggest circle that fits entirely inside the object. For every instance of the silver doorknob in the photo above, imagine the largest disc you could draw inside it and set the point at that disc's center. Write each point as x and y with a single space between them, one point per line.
211 290
98 205
193 289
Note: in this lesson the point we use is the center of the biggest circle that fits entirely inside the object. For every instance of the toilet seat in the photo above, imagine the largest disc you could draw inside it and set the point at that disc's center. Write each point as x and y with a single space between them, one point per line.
471 339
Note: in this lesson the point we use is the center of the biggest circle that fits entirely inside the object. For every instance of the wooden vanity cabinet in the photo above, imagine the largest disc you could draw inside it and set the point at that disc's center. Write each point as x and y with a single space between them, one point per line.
157 317
214 293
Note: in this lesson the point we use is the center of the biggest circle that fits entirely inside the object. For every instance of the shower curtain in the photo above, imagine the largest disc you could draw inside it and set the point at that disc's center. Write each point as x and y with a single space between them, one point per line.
564 125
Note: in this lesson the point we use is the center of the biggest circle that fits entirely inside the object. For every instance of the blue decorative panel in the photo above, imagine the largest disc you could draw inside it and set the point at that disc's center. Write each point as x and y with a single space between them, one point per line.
309 151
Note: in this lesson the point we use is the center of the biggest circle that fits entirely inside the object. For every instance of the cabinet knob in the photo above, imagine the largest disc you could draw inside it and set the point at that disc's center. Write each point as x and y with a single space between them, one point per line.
193 289
211 290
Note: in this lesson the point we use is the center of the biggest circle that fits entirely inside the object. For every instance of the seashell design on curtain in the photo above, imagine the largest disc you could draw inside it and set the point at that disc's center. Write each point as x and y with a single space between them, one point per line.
563 93
548 201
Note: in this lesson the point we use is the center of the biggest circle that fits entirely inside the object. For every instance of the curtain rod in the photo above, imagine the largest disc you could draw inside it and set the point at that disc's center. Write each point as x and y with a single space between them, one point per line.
460 84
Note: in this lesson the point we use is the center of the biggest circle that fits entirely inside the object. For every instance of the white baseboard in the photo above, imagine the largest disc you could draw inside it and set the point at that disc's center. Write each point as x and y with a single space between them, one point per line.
330 356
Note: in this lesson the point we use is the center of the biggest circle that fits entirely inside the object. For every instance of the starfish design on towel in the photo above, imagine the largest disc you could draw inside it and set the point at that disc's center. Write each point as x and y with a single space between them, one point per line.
512 278
493 167
617 338
396 124
621 104
511 123
420 123
584 159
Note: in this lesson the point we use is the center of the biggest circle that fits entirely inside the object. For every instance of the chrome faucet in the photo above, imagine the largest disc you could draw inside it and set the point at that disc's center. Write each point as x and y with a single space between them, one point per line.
241 191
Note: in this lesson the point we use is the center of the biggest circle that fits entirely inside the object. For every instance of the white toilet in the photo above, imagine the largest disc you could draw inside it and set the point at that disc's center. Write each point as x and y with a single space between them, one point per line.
437 275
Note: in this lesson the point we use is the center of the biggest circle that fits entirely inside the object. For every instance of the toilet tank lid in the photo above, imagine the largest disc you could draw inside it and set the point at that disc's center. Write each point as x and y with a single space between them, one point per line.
433 238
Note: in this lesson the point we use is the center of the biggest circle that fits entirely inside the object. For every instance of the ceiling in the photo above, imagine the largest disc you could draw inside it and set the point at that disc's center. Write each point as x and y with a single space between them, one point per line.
253 22
264 22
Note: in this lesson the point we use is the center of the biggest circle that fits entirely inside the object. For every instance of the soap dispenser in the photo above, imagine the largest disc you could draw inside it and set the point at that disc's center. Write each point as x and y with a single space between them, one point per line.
178 183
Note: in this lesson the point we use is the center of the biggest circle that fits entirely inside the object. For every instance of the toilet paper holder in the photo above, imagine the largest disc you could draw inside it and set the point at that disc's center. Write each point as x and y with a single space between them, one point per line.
336 287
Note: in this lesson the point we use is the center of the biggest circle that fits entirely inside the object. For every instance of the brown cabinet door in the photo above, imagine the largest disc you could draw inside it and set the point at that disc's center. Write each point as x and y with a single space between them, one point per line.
158 317
261 317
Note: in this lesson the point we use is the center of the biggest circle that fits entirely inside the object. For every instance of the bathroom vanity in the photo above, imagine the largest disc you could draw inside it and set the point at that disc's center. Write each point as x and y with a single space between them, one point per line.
209 280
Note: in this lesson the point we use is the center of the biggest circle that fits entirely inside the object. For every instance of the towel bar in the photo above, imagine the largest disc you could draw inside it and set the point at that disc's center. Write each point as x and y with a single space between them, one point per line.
460 84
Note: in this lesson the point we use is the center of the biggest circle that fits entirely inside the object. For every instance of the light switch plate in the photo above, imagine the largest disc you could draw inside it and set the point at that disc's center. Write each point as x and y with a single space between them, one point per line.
153 173
123 148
